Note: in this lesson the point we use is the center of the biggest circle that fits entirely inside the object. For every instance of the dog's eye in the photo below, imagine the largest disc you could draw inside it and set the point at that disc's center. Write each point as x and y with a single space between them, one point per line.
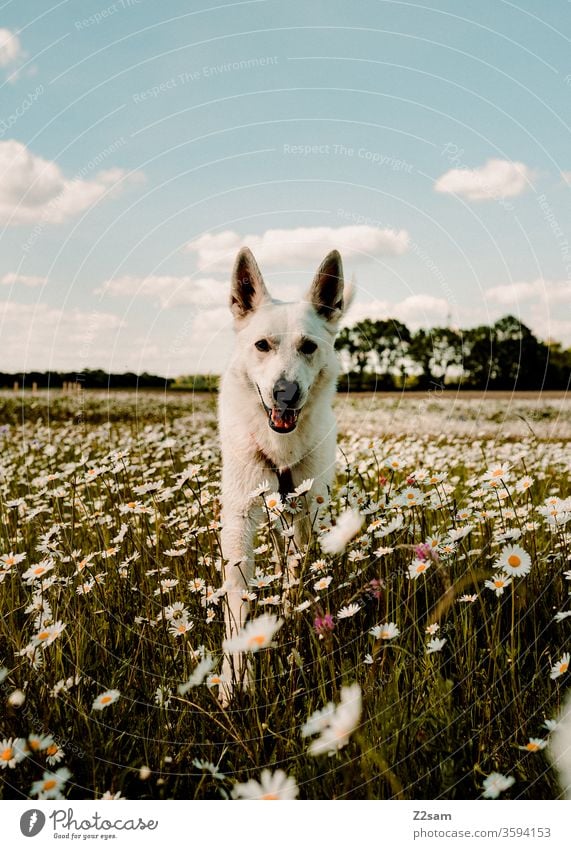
262 345
307 347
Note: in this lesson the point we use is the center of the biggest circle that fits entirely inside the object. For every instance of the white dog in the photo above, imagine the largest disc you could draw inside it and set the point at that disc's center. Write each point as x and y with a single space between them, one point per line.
275 414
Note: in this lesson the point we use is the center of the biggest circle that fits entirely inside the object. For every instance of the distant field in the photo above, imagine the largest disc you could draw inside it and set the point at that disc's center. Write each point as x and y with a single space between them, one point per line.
449 610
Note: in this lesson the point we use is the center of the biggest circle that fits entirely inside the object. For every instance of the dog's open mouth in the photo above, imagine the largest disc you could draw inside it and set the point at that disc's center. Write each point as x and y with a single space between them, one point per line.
282 420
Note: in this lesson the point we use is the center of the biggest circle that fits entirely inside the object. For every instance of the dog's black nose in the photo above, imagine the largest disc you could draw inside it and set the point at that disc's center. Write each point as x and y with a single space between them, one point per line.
286 393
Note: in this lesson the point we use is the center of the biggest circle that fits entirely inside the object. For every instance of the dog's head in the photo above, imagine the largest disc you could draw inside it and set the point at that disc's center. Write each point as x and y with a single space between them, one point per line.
285 349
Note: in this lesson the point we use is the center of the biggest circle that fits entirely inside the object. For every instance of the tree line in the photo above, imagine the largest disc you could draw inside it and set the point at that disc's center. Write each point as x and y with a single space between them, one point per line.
385 354
381 355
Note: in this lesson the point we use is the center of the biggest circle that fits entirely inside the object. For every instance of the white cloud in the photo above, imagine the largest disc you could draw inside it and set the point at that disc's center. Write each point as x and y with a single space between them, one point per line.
547 291
10 47
298 246
538 303
415 311
29 280
33 189
498 178
167 290
39 336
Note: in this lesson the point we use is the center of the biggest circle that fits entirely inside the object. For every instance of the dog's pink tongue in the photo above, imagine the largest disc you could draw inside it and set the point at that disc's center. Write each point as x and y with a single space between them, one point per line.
277 418
282 420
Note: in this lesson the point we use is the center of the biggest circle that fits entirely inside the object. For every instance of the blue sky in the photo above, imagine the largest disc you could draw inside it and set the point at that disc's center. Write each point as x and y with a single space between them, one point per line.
142 142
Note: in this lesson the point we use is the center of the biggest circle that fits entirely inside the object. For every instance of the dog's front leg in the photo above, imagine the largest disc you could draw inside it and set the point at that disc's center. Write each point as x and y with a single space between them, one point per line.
237 548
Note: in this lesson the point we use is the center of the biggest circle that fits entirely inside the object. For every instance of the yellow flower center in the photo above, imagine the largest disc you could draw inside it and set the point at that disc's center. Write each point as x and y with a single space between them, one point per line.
564 667
43 635
39 569
105 700
531 747
421 567
514 560
270 796
6 755
498 583
51 750
10 561
257 640
50 784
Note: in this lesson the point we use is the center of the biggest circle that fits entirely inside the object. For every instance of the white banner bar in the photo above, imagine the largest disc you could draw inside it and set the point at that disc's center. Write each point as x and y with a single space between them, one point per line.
289 825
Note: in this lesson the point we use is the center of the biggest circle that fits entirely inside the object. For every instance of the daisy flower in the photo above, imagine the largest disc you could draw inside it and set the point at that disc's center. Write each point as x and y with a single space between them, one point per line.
496 783
348 526
335 723
498 583
255 635
51 785
208 766
348 611
12 751
501 471
410 497
46 636
513 560
388 631
11 559
39 742
468 598
113 797
432 628
534 744
180 627
455 534
417 568
272 786
304 486
561 667
35 573
322 583
263 487
434 645
216 680
393 463
524 484
54 754
274 502
105 699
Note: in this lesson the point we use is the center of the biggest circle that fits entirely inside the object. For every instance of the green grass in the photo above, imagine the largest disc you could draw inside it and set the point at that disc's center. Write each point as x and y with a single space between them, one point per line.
433 725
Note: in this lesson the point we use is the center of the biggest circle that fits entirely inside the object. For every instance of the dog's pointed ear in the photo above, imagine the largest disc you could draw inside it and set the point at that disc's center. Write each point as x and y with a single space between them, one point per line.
248 288
326 293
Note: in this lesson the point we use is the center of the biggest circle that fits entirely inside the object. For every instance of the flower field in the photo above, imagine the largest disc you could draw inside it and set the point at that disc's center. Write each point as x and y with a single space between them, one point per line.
421 652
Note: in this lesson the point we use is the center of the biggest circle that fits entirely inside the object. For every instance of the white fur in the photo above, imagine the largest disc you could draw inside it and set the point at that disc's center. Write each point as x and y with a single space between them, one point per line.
246 437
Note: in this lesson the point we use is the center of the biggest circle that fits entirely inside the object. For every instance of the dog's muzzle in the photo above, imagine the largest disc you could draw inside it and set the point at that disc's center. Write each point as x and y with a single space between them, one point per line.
283 415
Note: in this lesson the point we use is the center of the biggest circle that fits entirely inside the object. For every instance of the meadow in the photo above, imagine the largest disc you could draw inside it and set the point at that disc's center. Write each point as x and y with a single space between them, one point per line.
425 655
